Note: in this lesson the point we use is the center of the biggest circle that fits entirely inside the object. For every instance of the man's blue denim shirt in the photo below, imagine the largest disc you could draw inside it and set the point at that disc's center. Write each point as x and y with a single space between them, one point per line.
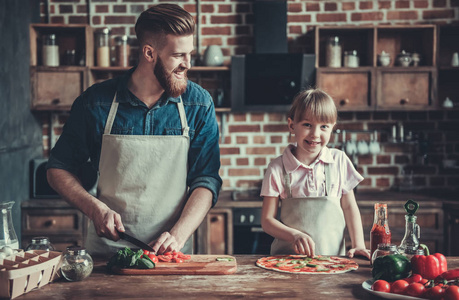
82 134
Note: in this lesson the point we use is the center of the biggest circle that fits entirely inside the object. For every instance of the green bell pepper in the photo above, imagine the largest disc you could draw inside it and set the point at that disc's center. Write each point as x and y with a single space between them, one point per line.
391 267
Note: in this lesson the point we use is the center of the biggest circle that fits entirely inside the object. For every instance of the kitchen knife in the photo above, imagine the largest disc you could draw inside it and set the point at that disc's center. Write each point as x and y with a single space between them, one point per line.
134 241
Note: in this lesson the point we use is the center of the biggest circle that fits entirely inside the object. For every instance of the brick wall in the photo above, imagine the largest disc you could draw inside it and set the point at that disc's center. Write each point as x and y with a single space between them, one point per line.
250 141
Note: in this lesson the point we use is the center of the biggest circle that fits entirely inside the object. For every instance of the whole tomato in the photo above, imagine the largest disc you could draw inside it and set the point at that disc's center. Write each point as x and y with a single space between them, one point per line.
414 278
452 293
381 286
399 287
434 293
415 289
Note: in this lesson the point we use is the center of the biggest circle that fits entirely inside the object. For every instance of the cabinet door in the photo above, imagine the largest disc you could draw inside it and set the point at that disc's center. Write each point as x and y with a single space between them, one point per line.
351 89
56 89
405 88
215 235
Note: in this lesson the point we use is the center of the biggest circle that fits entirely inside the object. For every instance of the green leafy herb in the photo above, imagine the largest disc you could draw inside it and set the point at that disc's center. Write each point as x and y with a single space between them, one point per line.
127 258
225 259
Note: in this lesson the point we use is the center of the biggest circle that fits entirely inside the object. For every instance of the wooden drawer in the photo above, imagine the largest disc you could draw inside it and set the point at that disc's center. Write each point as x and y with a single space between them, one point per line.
52 221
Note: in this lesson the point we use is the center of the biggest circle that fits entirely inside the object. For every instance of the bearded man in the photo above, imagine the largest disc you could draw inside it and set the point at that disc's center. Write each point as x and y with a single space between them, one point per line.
153 136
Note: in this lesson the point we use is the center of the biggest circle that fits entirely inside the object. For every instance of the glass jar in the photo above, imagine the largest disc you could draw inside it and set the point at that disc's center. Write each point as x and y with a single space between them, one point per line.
50 53
404 59
77 264
122 50
103 47
8 236
40 243
384 249
333 53
380 233
351 59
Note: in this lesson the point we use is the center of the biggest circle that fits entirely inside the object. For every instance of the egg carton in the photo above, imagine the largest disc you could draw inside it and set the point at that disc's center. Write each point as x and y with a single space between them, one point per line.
28 270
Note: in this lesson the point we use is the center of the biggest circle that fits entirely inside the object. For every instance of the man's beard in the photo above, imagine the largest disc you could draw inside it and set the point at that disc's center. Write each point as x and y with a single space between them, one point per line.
173 87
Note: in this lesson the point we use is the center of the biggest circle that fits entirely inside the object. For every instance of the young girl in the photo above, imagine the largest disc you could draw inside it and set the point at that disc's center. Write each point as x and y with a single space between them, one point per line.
315 185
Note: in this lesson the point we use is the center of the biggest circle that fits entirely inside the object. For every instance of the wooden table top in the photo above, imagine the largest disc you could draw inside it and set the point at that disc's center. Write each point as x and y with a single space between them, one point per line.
249 281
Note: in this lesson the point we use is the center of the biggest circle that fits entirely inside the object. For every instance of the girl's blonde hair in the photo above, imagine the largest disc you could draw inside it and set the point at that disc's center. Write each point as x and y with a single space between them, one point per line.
313 104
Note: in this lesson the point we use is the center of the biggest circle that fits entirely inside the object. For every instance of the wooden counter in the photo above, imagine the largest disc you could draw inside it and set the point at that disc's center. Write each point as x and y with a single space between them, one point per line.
249 281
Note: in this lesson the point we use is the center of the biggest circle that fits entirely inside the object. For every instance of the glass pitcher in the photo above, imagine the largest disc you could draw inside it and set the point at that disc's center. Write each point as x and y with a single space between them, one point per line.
8 236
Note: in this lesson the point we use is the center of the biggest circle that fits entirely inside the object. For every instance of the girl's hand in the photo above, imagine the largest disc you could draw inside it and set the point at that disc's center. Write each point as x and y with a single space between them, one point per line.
303 244
359 251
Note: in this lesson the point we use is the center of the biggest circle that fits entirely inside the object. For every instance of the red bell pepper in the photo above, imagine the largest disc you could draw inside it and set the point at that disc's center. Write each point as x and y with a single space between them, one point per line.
429 266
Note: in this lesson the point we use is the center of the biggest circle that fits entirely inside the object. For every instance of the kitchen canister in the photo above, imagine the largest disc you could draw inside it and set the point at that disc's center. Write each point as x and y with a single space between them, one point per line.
213 56
50 51
351 59
122 50
333 53
77 264
103 47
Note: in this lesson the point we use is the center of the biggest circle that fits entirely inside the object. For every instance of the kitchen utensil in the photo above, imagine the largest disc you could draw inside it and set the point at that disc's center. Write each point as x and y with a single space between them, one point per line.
134 241
197 265
8 236
362 148
374 147
351 147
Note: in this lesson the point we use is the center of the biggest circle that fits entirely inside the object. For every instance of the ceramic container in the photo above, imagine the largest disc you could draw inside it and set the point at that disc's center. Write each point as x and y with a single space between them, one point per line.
213 56
384 59
404 59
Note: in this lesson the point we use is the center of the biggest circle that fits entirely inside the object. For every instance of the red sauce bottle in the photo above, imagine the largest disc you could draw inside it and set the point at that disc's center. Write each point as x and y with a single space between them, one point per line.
380 233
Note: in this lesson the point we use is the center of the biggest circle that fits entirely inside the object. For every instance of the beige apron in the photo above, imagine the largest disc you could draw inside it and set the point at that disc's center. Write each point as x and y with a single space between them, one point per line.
143 178
321 218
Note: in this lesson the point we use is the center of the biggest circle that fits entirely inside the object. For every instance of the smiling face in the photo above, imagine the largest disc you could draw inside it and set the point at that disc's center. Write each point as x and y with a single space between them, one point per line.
172 63
311 136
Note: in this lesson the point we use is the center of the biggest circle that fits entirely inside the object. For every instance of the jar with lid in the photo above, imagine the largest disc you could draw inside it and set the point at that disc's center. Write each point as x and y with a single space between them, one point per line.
380 233
40 243
77 264
103 47
384 249
333 53
351 59
122 51
404 59
50 51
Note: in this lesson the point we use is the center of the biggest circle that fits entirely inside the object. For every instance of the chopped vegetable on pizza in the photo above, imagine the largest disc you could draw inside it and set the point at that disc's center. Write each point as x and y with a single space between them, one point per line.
307 265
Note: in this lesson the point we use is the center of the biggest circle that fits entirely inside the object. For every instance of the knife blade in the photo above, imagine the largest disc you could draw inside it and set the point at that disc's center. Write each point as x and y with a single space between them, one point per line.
134 241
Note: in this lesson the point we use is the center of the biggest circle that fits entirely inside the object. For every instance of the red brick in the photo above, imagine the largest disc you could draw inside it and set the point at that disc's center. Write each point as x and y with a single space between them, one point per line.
191 8
365 159
257 117
242 140
118 31
348 6
57 20
259 139
312 7
65 9
350 126
224 8
225 161
397 148
382 170
383 159
216 30
439 3
207 8
384 4
78 19
295 7
366 182
276 139
401 159
244 172
52 9
244 29
240 40
101 8
239 117
229 151
330 6
226 183
402 4
119 19
261 150
298 18
136 9
227 140
275 128
338 17
366 5
402 15
96 20
295 29
260 161
242 161
421 4
368 16
228 19
212 41
276 117
382 182
249 183
438 14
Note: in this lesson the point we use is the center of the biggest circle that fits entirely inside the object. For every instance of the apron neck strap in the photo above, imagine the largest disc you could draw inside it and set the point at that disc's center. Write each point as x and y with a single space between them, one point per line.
114 109
288 184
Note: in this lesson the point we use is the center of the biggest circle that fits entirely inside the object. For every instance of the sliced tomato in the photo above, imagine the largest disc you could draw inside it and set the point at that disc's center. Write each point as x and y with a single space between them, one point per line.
168 253
153 257
164 258
146 252
183 256
177 260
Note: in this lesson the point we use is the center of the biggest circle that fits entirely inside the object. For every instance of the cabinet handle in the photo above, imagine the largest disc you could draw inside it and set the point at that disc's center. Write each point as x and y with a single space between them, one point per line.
55 101
50 223
216 219
344 102
404 101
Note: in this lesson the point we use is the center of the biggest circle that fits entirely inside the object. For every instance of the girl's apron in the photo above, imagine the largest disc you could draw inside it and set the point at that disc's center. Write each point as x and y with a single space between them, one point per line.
321 218
143 178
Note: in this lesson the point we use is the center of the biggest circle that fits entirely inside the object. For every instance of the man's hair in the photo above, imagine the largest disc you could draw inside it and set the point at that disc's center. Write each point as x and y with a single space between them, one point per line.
160 20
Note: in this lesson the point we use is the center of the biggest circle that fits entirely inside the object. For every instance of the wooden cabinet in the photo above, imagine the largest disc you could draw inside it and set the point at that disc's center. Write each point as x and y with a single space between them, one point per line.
451 228
448 75
215 235
371 85
62 224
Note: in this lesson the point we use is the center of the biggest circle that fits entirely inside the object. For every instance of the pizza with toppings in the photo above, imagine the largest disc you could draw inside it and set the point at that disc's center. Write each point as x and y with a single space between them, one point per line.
303 264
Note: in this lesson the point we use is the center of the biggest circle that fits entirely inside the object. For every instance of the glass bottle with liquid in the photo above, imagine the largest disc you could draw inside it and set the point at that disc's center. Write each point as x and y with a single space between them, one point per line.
380 233
333 53
50 51
410 242
103 47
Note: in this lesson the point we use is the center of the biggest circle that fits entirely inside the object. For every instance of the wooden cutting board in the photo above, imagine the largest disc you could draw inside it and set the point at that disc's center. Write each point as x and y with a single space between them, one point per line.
197 265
